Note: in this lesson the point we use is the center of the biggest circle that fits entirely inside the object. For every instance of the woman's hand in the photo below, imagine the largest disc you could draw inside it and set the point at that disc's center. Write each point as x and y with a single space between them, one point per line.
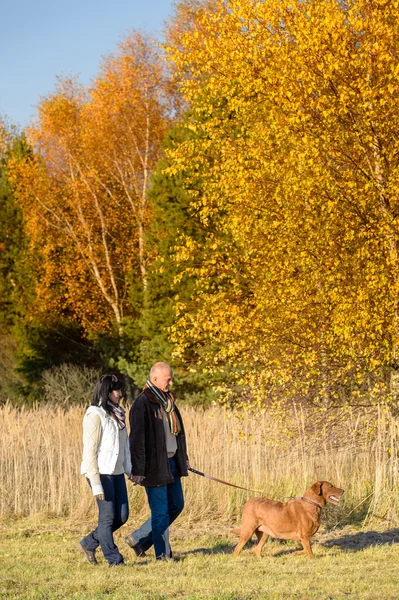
99 496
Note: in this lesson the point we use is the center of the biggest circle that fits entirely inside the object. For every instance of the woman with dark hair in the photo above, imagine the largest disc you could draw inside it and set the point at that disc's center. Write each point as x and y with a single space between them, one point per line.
106 457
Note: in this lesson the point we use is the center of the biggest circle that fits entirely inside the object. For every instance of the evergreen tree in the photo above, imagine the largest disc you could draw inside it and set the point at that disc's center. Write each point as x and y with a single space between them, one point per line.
11 237
172 216
11 251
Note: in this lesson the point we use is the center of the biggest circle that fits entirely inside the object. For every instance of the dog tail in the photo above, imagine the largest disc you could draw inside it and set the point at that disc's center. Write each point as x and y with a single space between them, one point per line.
236 531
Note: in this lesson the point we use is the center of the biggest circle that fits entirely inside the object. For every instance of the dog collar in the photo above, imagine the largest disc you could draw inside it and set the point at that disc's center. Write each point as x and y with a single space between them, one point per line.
310 501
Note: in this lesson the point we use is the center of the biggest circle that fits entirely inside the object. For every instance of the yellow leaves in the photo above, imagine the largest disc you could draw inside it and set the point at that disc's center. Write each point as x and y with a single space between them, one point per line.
289 118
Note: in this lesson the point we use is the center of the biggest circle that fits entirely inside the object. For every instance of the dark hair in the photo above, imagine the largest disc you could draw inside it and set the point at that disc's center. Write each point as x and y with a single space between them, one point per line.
105 385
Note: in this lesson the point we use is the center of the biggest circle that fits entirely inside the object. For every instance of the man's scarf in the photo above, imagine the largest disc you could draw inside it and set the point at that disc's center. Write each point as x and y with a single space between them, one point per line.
167 402
117 413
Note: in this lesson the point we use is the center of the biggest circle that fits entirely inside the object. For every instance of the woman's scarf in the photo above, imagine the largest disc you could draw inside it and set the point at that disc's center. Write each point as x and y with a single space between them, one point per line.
167 402
117 413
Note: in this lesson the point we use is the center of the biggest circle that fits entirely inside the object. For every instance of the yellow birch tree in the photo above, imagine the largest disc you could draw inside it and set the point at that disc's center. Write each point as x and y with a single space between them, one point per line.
294 109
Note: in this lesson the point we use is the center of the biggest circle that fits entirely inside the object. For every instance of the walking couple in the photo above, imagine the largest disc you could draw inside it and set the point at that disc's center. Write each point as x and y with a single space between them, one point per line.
153 455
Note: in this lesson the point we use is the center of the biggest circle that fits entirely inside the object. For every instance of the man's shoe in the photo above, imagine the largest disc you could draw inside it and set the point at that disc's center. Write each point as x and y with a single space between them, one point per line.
168 558
132 544
120 564
89 554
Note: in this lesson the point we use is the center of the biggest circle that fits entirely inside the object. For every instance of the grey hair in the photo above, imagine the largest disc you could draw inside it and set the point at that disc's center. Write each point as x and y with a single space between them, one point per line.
158 367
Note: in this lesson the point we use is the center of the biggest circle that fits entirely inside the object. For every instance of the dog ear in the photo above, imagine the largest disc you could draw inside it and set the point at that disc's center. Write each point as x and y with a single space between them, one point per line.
317 488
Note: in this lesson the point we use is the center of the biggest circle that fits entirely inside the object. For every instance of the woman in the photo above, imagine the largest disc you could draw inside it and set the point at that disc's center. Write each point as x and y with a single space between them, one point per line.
106 457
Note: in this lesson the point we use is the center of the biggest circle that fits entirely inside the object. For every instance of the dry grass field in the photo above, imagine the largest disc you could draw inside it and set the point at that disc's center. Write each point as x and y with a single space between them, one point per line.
40 454
46 506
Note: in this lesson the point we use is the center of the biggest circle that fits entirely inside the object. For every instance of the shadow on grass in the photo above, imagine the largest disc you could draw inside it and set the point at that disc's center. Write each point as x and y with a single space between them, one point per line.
228 548
349 542
352 542
221 548
364 539
292 551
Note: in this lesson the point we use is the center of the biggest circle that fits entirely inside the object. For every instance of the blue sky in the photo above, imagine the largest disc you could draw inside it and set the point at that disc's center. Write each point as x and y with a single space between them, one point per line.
44 38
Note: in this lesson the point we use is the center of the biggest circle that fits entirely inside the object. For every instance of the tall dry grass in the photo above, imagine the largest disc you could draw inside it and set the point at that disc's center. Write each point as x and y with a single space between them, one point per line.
40 454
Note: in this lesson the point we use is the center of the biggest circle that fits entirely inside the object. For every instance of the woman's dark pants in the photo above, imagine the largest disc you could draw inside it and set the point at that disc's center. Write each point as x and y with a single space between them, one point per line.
113 512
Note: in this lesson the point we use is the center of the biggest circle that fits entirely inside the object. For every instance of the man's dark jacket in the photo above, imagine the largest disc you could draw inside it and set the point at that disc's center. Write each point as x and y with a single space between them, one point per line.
148 444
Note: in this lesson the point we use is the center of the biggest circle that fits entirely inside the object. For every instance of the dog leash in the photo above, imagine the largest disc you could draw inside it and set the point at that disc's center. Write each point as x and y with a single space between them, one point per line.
224 482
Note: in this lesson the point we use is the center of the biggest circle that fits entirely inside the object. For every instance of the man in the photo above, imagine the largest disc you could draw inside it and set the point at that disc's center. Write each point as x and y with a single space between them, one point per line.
159 459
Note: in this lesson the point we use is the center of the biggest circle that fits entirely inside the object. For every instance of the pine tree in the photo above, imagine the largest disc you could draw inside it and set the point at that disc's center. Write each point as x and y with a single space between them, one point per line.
171 216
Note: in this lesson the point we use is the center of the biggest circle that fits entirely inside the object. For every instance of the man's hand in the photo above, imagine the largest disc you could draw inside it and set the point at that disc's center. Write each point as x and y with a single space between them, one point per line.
99 496
136 479
188 464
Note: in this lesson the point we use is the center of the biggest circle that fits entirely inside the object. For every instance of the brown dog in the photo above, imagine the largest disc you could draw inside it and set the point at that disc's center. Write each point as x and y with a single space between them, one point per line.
297 519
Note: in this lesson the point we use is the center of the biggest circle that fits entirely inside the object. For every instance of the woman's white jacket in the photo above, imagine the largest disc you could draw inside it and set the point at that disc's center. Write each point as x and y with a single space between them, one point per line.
100 452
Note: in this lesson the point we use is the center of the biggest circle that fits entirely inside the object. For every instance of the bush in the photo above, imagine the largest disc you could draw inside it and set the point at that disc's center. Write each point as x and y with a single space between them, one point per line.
69 384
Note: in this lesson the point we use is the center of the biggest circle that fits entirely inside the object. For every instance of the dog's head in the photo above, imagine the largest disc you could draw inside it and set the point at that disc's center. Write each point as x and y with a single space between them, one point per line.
323 492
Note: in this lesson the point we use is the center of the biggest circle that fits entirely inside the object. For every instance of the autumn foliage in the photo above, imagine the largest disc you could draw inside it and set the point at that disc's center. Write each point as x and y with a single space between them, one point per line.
85 192
294 111
286 268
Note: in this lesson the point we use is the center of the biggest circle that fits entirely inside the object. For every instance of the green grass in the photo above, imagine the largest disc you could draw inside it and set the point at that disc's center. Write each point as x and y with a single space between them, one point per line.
39 560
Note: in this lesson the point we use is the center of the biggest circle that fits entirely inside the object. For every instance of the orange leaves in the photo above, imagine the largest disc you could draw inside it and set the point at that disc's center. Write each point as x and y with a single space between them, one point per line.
84 192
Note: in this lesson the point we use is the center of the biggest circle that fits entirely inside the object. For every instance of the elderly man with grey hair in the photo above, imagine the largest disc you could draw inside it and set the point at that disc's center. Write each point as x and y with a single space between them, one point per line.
159 459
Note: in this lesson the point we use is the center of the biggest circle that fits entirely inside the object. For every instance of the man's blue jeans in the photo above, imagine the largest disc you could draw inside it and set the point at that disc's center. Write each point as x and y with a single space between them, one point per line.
140 537
113 512
166 503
